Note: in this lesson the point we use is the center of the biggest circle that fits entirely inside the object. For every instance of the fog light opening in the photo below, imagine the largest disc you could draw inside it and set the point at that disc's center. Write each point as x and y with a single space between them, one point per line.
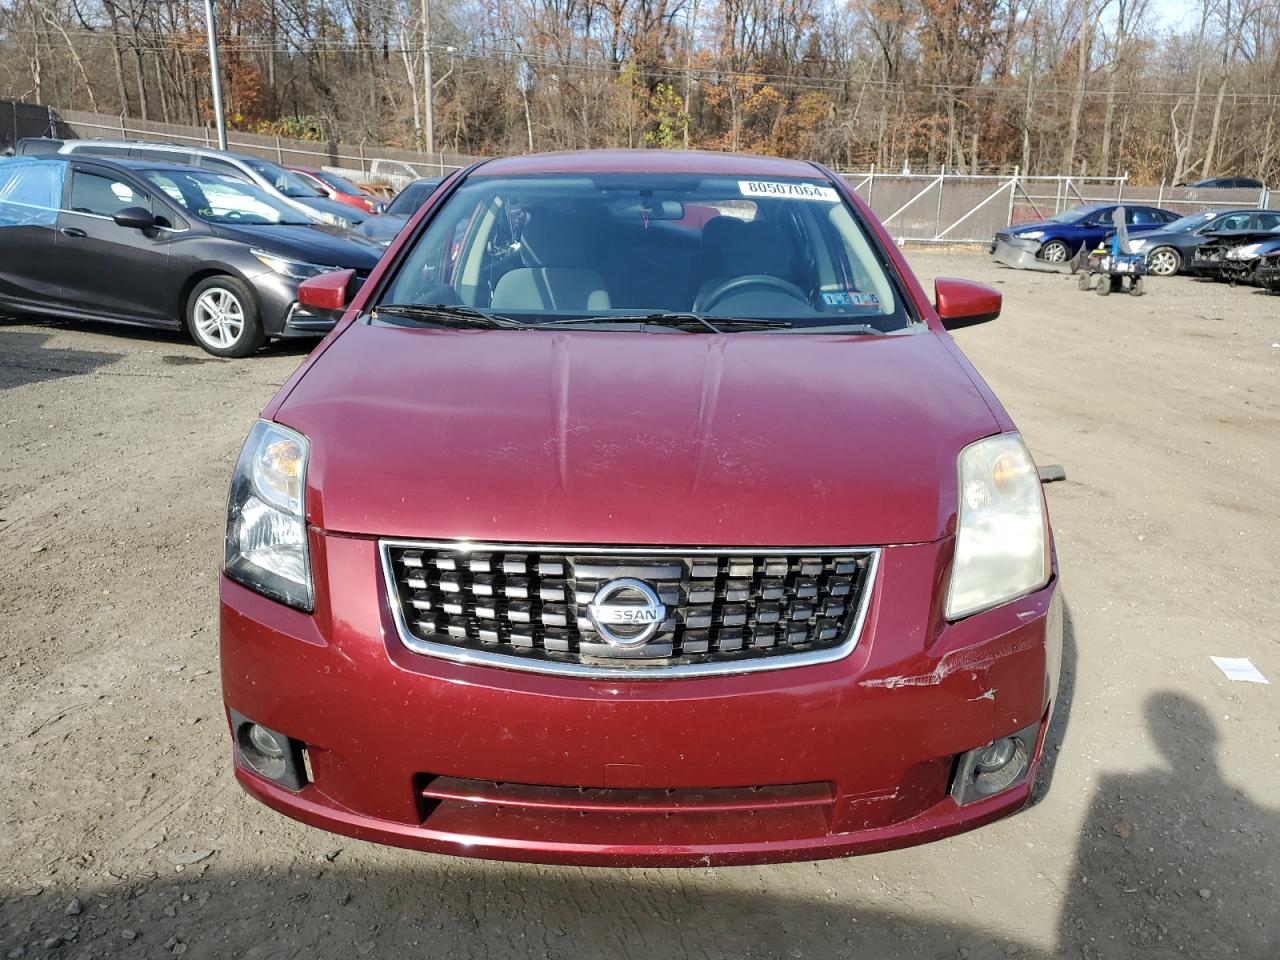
270 754
1000 765
262 752
996 756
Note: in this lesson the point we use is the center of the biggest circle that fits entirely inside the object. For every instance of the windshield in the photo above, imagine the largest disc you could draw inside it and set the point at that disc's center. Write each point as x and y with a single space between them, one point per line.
217 198
338 183
1076 215
539 249
1191 221
413 196
286 181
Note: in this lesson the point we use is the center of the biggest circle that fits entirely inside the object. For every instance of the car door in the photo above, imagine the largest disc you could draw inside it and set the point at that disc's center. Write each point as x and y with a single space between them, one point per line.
30 194
114 271
1094 228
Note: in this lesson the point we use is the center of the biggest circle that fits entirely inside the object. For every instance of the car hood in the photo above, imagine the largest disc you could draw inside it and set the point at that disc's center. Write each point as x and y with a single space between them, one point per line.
383 228
1047 225
1034 225
325 205
633 438
1153 238
312 243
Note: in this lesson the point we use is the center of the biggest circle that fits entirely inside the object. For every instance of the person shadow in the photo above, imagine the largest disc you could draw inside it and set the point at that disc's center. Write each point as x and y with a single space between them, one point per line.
1175 861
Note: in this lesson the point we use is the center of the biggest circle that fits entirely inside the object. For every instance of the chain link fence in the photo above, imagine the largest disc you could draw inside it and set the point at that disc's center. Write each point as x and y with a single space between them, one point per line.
916 208
959 208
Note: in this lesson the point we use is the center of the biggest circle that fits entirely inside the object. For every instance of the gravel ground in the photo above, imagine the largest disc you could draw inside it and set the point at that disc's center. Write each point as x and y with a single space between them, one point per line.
122 832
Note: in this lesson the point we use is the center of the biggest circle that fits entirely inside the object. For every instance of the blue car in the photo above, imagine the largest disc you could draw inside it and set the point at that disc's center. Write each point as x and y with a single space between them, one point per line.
1057 239
1170 249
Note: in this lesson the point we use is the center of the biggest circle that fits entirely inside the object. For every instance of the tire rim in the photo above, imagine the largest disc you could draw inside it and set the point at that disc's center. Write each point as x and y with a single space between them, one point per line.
1164 263
1055 252
219 317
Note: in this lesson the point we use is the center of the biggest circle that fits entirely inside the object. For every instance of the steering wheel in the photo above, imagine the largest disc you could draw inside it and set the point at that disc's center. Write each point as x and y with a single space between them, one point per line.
738 284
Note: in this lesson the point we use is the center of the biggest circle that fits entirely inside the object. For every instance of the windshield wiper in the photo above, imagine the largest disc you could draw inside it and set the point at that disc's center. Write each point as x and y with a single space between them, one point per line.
687 317
840 330
446 313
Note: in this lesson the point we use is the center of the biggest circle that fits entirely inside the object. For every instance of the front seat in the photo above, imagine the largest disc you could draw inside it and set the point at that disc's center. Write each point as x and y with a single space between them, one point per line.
554 246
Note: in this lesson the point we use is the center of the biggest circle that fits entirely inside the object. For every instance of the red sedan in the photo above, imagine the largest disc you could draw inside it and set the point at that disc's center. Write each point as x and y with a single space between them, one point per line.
340 189
597 532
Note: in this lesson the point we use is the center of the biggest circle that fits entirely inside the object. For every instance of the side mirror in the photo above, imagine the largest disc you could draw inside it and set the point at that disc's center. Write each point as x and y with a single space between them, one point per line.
329 292
962 303
135 218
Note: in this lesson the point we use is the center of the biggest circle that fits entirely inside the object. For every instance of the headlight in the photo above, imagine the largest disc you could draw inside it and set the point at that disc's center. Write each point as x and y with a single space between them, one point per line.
1002 549
1136 245
266 517
298 269
1247 252
1031 235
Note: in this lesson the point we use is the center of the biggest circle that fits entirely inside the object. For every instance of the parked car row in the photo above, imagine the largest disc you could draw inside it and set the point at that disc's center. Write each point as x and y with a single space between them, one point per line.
168 236
1059 238
1234 244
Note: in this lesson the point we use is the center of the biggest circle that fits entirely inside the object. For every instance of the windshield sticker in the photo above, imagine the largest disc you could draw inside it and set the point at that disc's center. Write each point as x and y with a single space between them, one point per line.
848 299
788 191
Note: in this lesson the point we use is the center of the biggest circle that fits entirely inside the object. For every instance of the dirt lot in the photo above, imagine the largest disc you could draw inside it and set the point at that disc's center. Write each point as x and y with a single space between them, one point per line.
122 832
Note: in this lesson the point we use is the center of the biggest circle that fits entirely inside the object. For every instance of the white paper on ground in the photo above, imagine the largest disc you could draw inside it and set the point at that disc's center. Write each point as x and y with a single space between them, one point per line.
1239 668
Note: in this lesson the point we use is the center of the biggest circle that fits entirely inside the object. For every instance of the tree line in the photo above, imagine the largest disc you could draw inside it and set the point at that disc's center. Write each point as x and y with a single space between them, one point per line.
1160 90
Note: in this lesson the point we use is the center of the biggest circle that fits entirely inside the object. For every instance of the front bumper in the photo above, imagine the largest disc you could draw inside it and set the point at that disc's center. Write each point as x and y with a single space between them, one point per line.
865 746
282 316
1268 274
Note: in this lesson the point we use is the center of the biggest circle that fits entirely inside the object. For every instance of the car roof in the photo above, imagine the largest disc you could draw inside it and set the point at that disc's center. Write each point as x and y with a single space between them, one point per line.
696 162
75 146
154 166
130 164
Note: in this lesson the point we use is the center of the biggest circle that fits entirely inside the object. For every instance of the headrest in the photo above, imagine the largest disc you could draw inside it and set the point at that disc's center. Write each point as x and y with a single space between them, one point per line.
718 232
556 238
759 248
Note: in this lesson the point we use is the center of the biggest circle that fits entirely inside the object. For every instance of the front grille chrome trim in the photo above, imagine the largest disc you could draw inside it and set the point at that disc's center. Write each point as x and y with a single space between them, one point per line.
504 661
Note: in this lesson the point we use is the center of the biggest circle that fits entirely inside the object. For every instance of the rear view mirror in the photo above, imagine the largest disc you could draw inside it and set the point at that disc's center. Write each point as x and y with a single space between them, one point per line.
648 209
329 292
963 303
135 218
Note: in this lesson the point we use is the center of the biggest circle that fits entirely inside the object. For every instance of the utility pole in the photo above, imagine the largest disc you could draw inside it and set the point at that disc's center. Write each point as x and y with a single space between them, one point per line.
428 113
215 79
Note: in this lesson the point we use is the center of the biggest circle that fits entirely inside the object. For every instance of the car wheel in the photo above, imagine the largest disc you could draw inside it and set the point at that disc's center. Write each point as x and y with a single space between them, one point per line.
1135 287
1085 281
222 317
1164 261
1055 251
1104 286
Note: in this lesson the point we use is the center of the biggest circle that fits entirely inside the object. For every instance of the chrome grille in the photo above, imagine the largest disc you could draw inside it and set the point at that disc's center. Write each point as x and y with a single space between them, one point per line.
726 611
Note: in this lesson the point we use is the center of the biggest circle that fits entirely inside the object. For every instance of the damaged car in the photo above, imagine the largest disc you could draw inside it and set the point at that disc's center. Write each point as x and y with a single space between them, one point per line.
640 509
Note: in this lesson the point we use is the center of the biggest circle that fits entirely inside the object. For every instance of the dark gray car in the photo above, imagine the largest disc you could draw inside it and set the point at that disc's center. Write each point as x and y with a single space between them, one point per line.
1170 249
163 245
274 179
